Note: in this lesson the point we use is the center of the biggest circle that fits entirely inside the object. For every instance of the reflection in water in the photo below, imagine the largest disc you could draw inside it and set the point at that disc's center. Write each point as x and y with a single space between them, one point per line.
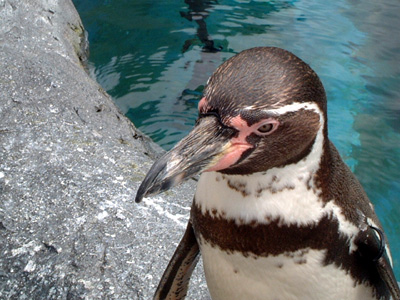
198 12
154 57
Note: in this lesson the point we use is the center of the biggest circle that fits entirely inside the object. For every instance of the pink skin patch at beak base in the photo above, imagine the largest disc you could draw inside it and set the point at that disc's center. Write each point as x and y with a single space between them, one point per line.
235 151
239 144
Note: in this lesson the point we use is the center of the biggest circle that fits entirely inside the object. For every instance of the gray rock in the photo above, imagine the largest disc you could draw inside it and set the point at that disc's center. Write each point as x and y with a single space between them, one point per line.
70 164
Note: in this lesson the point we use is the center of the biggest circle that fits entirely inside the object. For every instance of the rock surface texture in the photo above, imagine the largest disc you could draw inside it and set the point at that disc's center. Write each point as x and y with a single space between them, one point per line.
70 165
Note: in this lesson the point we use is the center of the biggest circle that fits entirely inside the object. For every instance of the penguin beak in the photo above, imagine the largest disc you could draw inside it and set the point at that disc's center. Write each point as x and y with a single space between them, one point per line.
201 150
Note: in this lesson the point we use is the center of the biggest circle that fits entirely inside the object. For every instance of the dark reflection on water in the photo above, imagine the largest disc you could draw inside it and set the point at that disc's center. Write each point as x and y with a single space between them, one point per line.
154 58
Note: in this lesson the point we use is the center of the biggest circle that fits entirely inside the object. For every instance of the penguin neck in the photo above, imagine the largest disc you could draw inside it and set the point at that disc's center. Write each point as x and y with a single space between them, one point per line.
287 194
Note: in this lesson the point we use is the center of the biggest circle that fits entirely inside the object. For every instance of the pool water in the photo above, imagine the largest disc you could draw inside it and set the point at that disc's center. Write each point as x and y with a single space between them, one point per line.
154 57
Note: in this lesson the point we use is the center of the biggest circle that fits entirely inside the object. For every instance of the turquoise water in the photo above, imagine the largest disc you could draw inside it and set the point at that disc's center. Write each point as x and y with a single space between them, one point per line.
153 58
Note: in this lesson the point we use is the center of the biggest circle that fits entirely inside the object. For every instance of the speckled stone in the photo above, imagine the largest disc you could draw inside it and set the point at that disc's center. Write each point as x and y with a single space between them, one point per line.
70 164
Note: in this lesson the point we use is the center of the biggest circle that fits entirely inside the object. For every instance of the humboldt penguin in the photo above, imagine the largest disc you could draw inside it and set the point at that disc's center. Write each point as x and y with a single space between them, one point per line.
277 214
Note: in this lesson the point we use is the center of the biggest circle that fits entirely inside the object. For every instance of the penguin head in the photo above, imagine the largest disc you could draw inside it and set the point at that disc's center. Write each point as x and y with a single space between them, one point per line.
273 102
261 109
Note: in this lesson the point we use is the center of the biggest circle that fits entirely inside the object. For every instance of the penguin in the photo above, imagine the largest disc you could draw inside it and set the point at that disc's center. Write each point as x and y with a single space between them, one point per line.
276 214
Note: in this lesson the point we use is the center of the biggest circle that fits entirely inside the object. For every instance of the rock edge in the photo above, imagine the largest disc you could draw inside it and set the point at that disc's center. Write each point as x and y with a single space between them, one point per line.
70 164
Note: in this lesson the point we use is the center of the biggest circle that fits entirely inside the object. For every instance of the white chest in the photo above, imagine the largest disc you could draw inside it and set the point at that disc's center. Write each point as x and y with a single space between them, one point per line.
286 194
289 276
264 198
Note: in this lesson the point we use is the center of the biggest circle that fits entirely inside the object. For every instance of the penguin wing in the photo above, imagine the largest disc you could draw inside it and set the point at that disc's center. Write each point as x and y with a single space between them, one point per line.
386 272
175 281
371 244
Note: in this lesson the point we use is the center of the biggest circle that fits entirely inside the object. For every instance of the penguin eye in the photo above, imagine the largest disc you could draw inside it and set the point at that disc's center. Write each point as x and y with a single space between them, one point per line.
267 128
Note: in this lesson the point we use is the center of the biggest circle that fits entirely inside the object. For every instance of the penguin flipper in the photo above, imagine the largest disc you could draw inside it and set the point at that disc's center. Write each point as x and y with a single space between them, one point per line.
175 281
386 272
372 245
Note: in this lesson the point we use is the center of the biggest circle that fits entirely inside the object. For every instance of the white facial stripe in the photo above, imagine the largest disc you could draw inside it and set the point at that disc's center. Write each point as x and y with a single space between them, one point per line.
296 106
249 107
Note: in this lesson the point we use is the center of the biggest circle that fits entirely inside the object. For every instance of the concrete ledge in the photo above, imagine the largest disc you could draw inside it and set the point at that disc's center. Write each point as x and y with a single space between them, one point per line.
70 164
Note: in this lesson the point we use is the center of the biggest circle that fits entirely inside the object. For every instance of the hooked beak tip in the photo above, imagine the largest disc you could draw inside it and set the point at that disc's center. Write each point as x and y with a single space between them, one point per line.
148 188
138 198
141 193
